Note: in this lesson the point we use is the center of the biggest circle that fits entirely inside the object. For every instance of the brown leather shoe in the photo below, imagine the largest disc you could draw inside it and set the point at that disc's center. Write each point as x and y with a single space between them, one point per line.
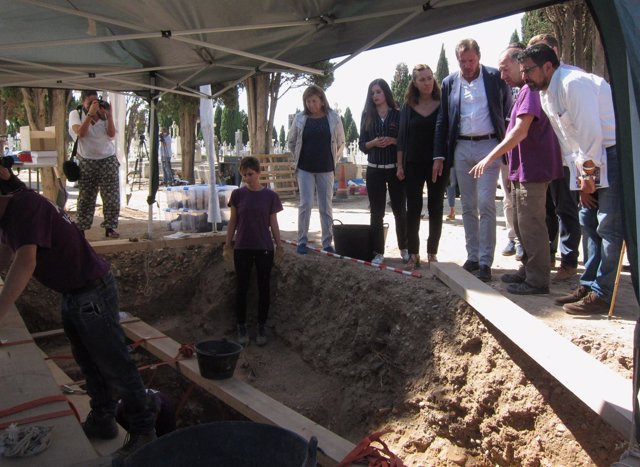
578 294
565 273
589 305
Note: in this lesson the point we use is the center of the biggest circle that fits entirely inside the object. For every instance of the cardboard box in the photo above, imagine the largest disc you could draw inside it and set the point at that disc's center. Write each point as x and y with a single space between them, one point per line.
36 140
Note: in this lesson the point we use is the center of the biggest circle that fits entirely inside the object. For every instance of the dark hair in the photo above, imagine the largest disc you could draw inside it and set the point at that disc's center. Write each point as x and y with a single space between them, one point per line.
85 94
412 94
539 54
548 39
518 46
315 90
467 44
249 163
370 113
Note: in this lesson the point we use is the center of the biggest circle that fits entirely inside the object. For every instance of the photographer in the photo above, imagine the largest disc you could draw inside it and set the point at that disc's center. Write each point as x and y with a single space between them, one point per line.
165 156
93 125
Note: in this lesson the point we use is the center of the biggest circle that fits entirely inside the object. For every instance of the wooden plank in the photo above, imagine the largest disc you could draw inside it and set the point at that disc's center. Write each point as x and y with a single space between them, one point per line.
116 246
24 377
242 397
603 390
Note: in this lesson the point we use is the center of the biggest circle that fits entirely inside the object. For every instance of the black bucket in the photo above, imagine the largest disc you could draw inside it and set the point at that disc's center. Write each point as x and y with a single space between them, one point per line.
217 359
229 443
354 240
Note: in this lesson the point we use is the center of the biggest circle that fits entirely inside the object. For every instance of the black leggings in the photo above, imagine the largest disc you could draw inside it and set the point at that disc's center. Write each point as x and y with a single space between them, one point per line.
415 177
243 261
377 182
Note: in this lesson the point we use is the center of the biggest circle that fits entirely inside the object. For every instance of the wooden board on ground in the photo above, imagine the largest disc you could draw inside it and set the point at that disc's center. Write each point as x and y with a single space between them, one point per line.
25 377
116 246
277 173
242 397
603 390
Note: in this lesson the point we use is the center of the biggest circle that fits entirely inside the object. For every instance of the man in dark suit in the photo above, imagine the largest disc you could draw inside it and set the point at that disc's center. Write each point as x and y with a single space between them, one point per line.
473 109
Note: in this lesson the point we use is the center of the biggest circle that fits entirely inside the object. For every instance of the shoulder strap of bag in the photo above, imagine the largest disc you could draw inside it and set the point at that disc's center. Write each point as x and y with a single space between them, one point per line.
74 151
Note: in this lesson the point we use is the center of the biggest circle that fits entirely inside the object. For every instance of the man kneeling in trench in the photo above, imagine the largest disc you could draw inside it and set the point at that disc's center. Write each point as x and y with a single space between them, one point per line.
46 244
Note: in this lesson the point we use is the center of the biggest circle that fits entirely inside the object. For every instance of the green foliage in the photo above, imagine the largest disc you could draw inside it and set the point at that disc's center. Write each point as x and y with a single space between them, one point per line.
442 69
514 37
14 110
296 80
534 23
350 127
274 133
230 122
400 81
217 120
282 139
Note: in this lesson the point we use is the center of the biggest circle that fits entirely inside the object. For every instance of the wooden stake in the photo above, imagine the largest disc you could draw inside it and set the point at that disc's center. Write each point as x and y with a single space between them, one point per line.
617 282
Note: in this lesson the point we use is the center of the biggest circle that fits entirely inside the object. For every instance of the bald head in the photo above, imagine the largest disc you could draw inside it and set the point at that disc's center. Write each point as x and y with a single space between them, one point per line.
510 68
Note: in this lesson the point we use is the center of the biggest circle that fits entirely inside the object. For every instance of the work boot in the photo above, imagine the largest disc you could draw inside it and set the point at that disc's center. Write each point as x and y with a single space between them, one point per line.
516 278
578 294
243 337
261 335
564 273
98 426
591 304
523 288
132 443
484 273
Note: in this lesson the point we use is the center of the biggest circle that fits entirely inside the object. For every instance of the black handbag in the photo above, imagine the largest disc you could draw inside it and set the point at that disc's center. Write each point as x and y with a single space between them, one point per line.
71 168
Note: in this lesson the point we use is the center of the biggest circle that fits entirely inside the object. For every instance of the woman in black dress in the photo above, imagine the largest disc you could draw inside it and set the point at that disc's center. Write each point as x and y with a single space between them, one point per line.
415 160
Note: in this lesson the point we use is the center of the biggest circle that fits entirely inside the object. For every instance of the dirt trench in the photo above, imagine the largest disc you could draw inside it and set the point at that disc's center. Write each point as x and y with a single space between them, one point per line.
359 350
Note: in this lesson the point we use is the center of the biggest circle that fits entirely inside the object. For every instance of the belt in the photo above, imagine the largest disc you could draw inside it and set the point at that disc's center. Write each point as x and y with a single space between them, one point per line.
477 138
92 284
382 166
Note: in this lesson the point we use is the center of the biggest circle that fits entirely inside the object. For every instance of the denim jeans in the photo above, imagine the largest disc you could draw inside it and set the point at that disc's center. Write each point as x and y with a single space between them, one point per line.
91 322
507 203
563 220
320 184
243 261
603 233
377 182
478 198
167 172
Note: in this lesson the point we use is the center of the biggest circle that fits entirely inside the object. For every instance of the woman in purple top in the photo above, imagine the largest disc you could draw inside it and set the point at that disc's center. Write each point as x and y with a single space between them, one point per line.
254 220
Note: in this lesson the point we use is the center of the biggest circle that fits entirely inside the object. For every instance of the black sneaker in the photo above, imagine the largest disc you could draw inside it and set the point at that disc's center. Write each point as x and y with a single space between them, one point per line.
484 273
525 289
261 335
100 426
516 278
471 266
132 443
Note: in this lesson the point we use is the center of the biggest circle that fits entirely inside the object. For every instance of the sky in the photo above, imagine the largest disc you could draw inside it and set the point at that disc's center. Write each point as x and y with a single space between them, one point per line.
352 79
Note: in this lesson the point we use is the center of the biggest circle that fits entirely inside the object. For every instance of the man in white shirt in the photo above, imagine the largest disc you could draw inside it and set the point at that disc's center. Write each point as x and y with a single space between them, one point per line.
473 109
580 108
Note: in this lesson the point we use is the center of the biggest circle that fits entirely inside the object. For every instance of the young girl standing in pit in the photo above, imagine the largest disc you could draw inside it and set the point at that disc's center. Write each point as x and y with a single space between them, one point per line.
254 220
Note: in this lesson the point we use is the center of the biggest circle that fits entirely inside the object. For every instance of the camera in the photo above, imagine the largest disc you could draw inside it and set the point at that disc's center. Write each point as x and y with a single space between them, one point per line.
142 137
104 104
6 162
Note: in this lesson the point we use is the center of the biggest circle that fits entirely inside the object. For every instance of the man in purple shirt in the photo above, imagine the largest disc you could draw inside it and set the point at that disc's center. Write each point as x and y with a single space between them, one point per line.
534 160
45 244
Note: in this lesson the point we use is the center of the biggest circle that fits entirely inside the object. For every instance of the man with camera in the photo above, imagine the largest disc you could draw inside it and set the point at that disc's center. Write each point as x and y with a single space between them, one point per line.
165 156
93 125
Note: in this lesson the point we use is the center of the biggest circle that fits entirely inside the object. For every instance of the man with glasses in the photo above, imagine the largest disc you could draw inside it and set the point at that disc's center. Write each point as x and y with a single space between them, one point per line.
472 119
580 108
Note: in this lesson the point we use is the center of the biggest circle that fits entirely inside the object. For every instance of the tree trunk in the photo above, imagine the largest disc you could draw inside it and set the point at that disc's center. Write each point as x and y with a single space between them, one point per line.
274 89
188 141
58 111
257 104
599 59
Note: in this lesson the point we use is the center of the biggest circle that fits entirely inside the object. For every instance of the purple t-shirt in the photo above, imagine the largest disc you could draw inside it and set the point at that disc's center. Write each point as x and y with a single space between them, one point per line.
538 157
253 213
64 260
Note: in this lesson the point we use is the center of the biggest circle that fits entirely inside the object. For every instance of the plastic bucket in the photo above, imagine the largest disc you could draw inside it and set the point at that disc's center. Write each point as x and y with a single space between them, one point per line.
228 443
354 240
217 359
